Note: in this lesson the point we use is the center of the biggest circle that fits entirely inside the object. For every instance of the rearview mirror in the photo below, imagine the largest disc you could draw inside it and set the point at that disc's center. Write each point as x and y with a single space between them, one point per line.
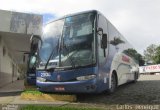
104 41
35 43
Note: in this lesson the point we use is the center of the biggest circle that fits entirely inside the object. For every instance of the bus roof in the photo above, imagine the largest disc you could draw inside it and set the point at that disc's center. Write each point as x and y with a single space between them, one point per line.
72 15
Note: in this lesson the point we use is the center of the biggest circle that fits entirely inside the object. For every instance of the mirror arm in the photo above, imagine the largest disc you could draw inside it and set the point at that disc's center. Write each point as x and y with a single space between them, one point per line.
100 29
104 51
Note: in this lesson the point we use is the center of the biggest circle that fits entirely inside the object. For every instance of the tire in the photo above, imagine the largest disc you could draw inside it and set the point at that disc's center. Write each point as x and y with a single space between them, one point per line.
113 84
135 77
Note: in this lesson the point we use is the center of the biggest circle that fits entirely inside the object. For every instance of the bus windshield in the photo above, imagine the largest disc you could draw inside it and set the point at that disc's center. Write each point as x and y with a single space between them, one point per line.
69 42
31 64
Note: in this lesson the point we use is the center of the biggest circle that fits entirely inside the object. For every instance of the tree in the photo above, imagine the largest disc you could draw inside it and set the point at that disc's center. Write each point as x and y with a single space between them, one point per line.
156 58
140 59
150 53
134 54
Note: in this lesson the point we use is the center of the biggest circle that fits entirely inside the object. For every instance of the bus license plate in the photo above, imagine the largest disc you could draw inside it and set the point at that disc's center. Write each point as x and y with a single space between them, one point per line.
59 89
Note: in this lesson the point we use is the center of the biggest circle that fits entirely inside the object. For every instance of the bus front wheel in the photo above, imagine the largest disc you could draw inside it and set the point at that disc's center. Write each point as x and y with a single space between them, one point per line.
113 83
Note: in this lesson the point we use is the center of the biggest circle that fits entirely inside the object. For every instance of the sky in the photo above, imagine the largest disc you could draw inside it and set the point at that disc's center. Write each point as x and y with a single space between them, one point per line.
137 20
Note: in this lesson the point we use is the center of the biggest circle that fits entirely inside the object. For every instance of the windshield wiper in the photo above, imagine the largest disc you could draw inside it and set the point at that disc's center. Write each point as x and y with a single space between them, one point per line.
50 58
70 59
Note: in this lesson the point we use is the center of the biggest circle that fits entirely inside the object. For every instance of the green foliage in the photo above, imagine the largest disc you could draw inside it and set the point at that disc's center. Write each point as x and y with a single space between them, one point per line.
156 58
140 59
33 107
32 92
131 52
150 52
134 54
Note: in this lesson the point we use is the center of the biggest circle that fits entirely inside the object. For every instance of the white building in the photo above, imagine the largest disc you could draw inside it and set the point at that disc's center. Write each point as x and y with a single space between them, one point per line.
15 31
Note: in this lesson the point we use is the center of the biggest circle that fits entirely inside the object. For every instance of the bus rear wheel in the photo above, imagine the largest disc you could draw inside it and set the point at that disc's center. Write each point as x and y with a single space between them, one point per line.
135 77
113 83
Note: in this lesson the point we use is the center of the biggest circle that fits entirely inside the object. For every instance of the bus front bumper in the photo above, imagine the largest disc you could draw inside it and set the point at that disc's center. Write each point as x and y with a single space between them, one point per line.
88 86
31 80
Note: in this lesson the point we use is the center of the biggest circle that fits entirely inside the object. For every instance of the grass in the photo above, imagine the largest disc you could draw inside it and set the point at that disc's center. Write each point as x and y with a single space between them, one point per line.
35 92
33 107
37 95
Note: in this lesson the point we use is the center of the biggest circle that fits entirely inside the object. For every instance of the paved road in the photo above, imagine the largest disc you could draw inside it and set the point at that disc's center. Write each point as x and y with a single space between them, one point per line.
16 86
145 91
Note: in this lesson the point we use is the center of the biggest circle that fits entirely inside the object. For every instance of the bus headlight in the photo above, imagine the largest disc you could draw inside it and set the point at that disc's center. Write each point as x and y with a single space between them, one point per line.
88 77
40 79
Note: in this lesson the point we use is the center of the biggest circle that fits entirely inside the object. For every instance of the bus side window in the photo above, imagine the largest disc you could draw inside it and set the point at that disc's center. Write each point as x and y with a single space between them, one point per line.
102 23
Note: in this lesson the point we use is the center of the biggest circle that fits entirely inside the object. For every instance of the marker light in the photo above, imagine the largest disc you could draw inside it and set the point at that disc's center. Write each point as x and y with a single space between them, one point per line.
40 79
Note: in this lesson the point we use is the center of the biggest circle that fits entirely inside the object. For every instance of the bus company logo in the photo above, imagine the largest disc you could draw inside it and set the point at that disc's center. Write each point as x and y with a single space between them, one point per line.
58 77
125 59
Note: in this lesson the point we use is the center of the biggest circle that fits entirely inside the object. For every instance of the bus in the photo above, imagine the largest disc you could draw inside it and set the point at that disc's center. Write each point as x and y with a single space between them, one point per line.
32 58
83 53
